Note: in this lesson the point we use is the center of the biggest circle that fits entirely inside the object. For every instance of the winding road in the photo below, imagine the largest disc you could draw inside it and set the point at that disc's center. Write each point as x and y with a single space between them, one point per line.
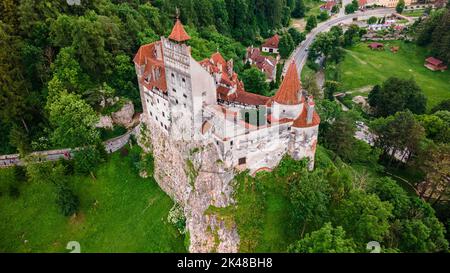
300 54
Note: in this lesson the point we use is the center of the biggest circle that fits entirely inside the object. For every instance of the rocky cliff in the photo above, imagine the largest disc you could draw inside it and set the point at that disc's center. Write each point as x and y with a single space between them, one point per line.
193 175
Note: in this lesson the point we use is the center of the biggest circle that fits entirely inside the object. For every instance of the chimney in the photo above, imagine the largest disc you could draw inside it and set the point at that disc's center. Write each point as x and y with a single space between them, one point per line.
310 110
230 65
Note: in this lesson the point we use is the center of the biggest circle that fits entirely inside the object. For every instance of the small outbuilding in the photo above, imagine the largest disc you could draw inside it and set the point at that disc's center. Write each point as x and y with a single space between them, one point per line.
376 46
435 64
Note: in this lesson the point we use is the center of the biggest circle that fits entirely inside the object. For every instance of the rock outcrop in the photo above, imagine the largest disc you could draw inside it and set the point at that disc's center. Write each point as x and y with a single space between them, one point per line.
192 174
105 122
125 115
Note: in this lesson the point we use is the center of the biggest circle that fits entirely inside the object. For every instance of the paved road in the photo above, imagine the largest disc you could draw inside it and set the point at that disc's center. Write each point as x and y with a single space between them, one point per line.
111 146
300 54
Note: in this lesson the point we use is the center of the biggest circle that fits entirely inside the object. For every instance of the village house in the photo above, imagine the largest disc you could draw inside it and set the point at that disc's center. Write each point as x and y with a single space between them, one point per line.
328 6
435 64
266 64
271 44
206 102
376 46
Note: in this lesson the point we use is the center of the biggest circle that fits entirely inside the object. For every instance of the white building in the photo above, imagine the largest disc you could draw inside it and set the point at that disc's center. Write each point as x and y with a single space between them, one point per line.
205 101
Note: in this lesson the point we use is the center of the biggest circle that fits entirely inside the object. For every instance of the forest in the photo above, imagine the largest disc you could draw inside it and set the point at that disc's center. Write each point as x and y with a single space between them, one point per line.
53 53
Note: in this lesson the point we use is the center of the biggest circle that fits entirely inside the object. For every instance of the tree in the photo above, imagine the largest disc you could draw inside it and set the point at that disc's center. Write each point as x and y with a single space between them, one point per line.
325 240
310 196
74 122
323 16
296 35
351 34
299 9
400 6
397 95
399 136
311 23
421 231
255 81
364 216
443 105
340 136
349 8
331 87
286 45
437 126
436 166
372 20
388 190
326 44
433 31
68 202
87 159
310 84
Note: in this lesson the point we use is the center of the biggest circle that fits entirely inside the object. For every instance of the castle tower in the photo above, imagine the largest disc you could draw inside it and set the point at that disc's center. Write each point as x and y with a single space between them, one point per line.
287 102
189 86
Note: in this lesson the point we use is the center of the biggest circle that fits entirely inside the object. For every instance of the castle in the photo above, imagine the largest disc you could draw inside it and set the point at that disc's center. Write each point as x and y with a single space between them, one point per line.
205 101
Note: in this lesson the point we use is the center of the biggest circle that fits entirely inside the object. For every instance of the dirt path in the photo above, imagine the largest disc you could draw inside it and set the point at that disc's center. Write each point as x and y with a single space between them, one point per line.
364 89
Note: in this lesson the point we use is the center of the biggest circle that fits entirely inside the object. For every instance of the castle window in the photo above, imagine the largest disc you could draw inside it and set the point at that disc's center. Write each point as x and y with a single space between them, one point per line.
185 105
242 160
163 114
184 95
173 89
176 101
162 124
231 143
165 126
156 117
184 82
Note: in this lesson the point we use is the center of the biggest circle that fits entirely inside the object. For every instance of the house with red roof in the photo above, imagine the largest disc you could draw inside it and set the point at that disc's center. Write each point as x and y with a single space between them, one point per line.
435 64
266 64
271 44
328 6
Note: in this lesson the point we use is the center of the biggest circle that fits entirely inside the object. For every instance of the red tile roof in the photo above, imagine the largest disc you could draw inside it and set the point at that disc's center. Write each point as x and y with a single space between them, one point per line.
362 3
328 5
434 61
376 45
302 122
178 33
154 73
218 59
289 92
272 42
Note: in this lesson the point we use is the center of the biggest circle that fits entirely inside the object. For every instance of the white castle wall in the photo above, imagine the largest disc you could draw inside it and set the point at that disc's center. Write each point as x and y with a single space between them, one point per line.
157 107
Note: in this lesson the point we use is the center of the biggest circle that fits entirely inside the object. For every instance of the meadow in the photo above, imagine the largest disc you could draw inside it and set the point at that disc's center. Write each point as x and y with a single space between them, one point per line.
364 67
120 212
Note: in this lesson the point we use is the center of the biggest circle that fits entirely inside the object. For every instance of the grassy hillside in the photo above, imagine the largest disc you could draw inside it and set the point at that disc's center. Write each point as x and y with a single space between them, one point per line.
120 212
363 66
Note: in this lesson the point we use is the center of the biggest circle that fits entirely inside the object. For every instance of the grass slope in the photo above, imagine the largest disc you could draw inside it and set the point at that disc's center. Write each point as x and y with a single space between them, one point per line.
120 212
362 67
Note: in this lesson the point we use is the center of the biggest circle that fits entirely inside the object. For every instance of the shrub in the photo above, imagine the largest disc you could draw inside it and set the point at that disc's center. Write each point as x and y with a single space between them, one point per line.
67 201
87 159
176 217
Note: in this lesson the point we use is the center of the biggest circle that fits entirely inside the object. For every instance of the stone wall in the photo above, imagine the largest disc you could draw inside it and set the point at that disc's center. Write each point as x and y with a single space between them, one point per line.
192 174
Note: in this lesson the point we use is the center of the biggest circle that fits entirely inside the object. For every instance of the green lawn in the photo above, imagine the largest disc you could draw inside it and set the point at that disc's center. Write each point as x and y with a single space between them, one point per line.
263 214
130 214
362 67
413 13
